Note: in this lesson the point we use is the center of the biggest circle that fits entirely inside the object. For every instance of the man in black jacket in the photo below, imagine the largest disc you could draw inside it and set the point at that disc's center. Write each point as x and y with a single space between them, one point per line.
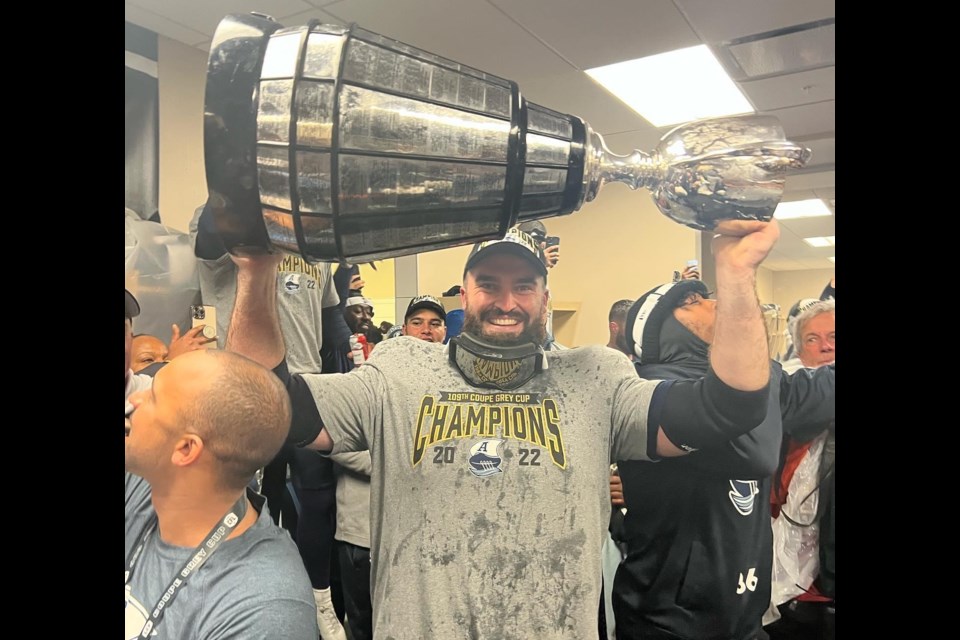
698 527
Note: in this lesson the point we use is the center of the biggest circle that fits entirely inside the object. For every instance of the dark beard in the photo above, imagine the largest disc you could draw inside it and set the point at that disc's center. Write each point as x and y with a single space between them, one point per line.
356 326
621 343
535 332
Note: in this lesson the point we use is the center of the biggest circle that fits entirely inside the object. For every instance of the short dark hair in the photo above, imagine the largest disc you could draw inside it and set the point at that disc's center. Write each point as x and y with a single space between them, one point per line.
618 312
245 423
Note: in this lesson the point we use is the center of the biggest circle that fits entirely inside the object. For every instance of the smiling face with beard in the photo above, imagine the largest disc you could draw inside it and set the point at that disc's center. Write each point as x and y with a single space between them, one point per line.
359 318
505 301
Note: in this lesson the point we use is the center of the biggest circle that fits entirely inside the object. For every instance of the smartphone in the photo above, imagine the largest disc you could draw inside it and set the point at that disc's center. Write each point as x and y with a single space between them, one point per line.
693 264
552 241
205 315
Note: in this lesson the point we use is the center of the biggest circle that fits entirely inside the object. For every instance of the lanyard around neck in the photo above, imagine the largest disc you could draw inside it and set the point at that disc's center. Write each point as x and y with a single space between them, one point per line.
219 533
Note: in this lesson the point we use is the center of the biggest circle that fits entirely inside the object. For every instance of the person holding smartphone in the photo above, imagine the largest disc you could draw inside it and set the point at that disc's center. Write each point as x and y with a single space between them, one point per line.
550 245
550 249
691 271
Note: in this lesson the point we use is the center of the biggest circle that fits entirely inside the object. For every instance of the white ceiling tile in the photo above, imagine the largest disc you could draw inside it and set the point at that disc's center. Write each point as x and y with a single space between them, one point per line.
576 93
810 181
792 195
161 25
811 227
791 89
827 194
824 153
808 120
466 31
204 16
600 32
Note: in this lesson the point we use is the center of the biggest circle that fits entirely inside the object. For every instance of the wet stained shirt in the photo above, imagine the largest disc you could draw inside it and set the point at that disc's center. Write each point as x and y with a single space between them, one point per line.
488 508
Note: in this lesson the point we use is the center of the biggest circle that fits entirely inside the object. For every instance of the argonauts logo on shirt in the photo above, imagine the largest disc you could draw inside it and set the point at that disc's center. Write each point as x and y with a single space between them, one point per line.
292 270
742 494
496 418
485 458
291 282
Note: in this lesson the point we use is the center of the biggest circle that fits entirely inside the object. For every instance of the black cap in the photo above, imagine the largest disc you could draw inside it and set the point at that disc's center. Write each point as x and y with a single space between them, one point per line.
647 314
534 228
425 302
131 306
516 242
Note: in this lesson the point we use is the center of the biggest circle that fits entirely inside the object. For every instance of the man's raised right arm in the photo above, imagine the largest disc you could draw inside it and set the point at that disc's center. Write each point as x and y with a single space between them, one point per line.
732 398
255 333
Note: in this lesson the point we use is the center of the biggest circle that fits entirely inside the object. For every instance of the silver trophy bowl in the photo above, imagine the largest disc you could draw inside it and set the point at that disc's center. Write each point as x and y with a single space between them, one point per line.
337 143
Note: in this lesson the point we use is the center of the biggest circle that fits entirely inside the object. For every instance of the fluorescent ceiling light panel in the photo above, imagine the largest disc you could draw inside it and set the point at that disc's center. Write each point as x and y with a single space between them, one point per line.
821 241
801 209
674 87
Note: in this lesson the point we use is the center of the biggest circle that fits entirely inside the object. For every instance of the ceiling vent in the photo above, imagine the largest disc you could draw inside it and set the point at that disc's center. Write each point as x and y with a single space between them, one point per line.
810 46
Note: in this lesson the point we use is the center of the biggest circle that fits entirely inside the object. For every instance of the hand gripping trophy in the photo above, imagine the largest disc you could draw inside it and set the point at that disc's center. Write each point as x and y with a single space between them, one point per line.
337 143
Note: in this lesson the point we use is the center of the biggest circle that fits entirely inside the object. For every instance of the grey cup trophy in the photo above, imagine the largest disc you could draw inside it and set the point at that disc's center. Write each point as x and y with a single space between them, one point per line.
338 144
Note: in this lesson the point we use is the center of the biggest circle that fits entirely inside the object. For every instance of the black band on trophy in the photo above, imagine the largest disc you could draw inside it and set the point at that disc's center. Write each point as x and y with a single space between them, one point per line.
516 160
578 149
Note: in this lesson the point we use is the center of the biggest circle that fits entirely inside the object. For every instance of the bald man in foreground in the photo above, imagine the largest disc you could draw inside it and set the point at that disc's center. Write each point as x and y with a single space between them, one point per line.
204 558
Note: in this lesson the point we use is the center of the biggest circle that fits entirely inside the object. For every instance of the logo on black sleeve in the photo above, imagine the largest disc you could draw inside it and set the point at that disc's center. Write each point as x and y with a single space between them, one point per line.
742 494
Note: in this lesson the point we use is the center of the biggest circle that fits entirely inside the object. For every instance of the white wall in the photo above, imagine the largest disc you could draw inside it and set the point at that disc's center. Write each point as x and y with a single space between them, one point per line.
182 72
790 286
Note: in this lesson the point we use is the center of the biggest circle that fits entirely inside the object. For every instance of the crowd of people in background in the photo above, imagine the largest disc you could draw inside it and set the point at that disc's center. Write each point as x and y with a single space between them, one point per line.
677 483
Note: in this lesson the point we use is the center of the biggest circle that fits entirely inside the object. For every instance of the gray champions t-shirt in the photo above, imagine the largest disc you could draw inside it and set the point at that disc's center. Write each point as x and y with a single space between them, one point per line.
252 587
488 509
303 291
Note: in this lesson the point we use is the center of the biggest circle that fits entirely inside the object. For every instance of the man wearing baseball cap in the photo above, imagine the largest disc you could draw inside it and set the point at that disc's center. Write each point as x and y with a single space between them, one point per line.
358 312
491 457
718 498
425 319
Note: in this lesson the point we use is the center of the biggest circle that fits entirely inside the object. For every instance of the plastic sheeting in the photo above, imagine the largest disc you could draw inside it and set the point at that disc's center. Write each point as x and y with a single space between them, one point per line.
796 559
161 271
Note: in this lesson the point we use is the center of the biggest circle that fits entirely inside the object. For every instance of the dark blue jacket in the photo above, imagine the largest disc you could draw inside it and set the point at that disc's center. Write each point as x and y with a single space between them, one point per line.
697 527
